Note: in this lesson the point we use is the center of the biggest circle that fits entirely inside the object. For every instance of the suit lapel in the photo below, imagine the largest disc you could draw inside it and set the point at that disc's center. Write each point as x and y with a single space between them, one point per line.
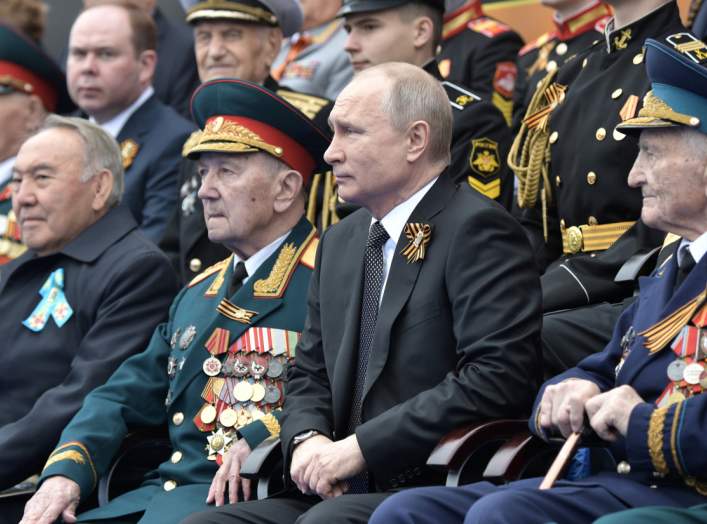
347 353
402 278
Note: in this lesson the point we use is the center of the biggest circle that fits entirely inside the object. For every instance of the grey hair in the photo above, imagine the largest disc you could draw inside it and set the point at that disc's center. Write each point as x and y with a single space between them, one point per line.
415 95
101 152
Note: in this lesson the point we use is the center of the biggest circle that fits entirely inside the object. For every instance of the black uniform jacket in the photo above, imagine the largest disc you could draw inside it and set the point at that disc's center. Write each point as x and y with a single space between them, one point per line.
119 286
590 162
455 340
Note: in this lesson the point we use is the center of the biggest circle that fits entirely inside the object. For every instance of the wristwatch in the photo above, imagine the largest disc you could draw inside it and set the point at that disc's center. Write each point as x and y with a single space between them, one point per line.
301 437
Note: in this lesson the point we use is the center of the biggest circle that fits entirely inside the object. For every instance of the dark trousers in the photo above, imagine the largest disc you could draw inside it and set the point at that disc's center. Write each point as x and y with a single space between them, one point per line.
521 502
569 335
346 509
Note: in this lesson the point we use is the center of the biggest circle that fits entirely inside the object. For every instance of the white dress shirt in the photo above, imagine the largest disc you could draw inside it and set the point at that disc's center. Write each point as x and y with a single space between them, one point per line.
255 261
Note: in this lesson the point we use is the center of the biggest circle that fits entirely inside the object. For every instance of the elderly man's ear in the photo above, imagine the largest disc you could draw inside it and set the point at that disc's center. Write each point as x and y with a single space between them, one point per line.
102 187
288 190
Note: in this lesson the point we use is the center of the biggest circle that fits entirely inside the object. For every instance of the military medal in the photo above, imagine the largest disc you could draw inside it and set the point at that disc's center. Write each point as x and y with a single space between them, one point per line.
218 442
228 418
208 414
53 304
258 392
171 367
175 338
217 343
272 394
692 373
187 337
275 368
243 391
258 367
676 370
211 366
244 417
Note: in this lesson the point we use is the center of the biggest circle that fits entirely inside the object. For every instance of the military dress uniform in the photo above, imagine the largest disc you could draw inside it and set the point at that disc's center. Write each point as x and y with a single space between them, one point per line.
572 165
214 372
550 50
480 52
24 68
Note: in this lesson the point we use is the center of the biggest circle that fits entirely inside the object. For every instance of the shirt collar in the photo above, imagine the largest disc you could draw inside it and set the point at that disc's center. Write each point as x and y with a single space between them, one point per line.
255 261
697 247
115 125
6 169
395 220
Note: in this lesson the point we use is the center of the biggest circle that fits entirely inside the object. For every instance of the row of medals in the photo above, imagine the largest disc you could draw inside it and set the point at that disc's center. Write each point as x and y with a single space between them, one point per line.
247 394
689 374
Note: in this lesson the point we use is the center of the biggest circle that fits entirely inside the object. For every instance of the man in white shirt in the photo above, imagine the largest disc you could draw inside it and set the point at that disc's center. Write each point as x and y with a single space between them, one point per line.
110 68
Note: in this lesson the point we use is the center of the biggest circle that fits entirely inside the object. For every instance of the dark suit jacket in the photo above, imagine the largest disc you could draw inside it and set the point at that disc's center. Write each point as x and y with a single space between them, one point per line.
119 286
683 428
176 76
151 178
455 342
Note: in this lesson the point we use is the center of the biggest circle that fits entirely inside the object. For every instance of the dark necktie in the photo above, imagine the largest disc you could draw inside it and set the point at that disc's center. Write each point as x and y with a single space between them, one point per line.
685 265
373 270
239 273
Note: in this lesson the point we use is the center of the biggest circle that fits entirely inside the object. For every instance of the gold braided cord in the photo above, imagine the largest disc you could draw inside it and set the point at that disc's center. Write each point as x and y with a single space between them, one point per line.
312 201
326 198
655 440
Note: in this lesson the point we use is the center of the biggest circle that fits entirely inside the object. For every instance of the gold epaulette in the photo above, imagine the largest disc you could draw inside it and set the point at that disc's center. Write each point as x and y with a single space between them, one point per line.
327 214
488 26
191 142
218 266
535 44
310 105
287 259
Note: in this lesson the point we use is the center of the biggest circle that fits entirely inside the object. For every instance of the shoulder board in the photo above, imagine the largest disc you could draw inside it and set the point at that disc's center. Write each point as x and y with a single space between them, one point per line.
310 105
537 43
218 266
459 97
287 259
191 142
488 26
310 253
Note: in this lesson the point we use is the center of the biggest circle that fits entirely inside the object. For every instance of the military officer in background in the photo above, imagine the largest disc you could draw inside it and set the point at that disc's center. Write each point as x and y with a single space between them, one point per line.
480 52
578 25
31 85
644 394
386 31
84 297
572 164
214 372
236 39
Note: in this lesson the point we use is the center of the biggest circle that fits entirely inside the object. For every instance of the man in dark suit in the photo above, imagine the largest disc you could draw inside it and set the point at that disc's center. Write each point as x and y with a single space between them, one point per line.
260 27
644 394
109 72
374 387
85 296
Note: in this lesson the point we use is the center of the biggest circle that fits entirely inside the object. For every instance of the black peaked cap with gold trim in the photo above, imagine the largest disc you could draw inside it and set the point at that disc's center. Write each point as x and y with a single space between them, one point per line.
26 68
238 116
350 7
286 14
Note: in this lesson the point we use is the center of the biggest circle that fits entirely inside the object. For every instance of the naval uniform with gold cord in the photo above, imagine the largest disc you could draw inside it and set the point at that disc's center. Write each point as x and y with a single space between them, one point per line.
550 50
186 242
572 165
479 52
214 370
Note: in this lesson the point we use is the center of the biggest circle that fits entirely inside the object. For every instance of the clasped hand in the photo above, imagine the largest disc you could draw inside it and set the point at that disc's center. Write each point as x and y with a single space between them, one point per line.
322 466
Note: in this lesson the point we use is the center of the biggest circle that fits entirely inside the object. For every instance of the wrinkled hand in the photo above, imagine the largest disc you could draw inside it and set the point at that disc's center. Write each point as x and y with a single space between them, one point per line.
563 405
321 466
57 496
230 472
610 412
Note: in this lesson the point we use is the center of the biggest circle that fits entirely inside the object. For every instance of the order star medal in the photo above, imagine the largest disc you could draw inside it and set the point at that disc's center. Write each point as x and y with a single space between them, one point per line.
419 236
218 443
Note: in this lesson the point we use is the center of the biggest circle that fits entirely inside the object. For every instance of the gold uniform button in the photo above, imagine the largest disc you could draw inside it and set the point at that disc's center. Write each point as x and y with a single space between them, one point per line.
195 265
617 93
176 457
638 59
694 121
601 134
561 48
554 136
558 181
178 418
592 221
623 468
551 66
591 178
169 485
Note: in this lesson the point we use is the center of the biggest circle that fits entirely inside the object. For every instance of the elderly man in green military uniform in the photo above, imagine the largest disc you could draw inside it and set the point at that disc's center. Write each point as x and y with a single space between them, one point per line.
214 372
235 39
31 85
